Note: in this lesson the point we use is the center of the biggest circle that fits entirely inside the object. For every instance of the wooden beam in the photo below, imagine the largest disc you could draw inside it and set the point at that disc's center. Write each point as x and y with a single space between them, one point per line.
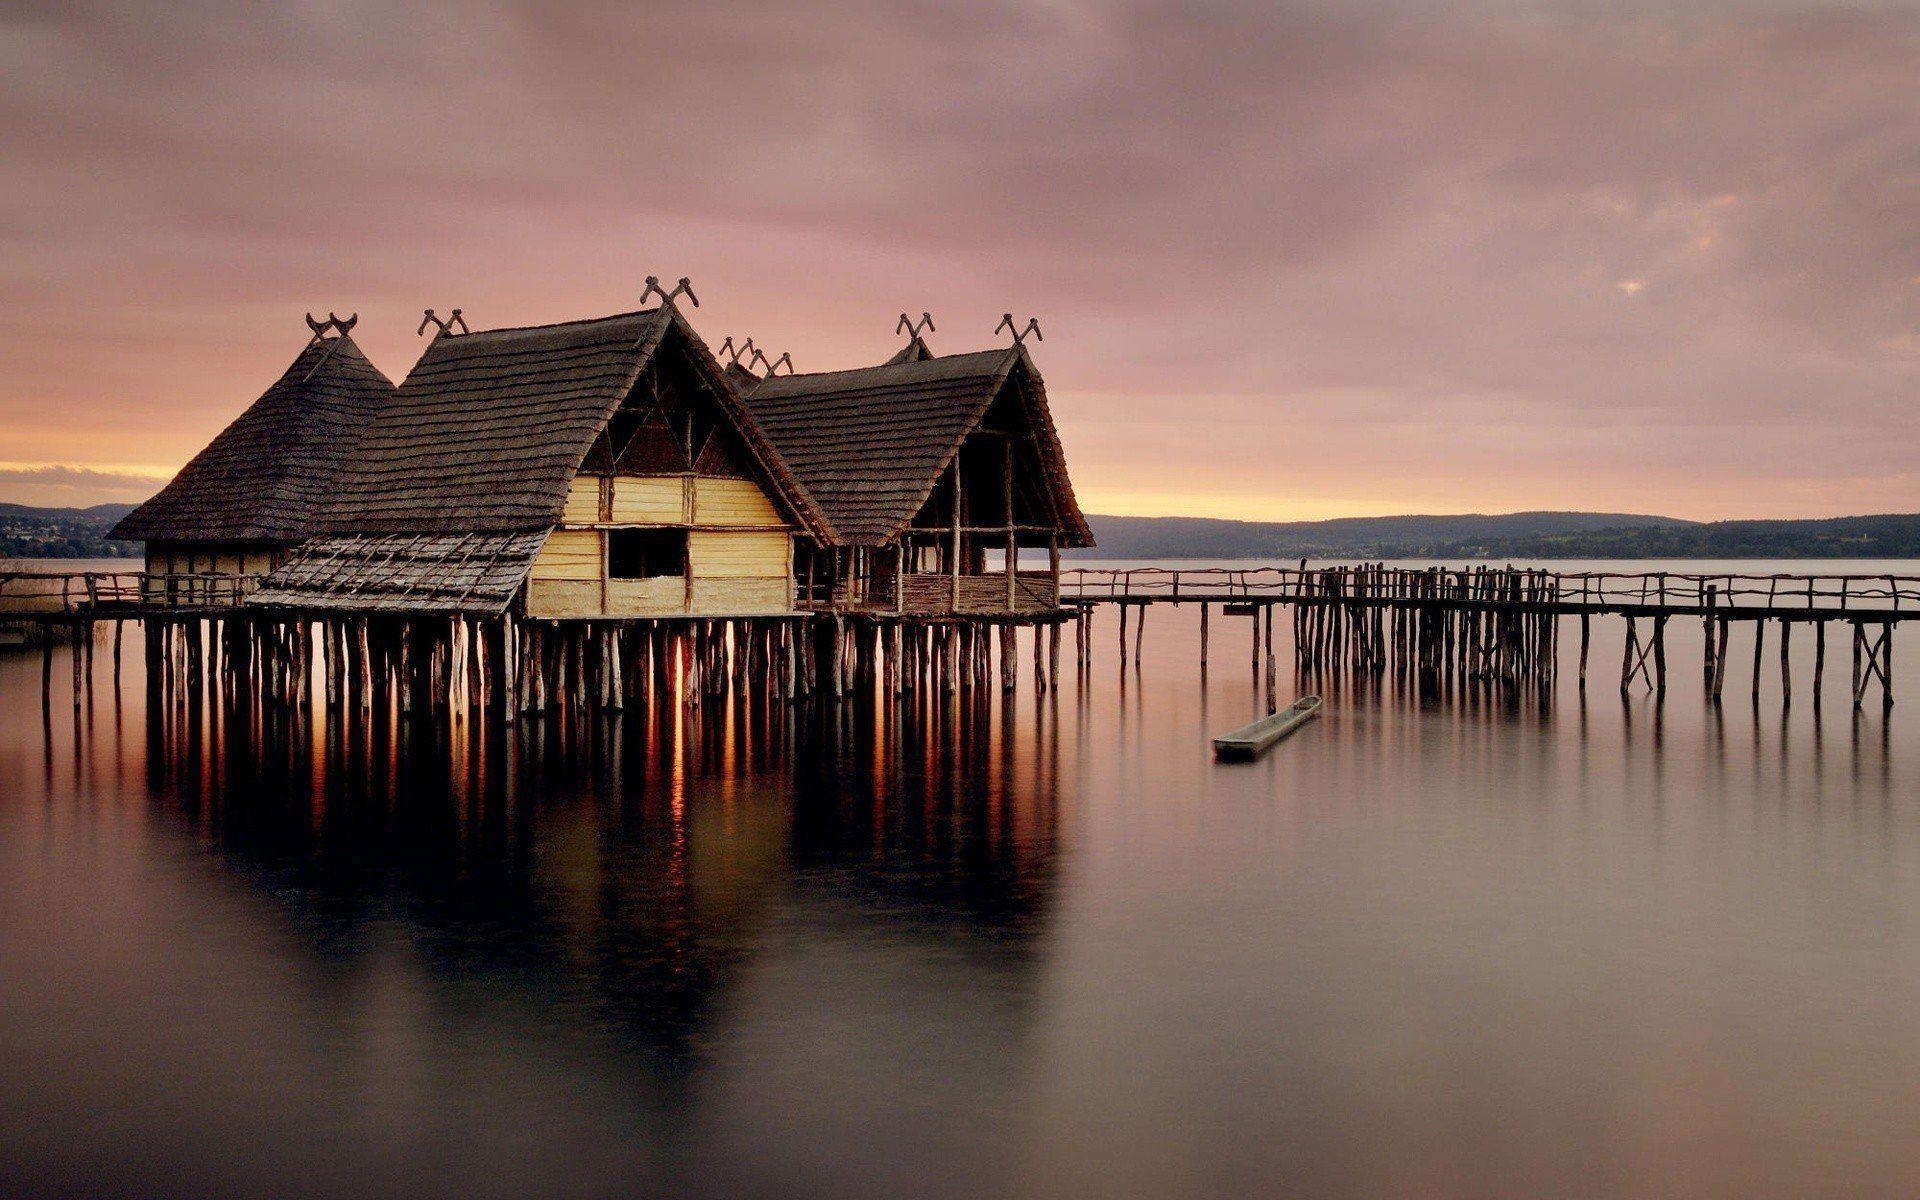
955 564
1013 546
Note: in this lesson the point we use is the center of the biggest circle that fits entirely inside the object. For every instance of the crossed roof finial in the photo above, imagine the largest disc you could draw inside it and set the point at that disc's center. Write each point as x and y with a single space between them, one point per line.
445 327
332 322
732 352
1019 334
653 288
912 328
773 366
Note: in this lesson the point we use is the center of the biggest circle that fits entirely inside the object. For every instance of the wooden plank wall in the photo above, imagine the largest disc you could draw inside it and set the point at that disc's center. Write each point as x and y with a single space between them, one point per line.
732 502
653 500
569 554
211 560
739 555
932 595
672 500
739 550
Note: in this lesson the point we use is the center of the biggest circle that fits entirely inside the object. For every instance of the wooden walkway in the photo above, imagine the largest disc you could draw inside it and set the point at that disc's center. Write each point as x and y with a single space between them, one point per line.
1493 625
204 645
1661 593
1501 624
110 595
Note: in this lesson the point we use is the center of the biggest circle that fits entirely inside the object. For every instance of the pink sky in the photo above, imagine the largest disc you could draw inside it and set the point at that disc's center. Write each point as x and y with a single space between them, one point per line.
1290 260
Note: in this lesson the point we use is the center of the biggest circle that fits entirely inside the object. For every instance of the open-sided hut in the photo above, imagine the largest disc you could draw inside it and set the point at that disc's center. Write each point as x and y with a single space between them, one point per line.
924 466
260 487
604 466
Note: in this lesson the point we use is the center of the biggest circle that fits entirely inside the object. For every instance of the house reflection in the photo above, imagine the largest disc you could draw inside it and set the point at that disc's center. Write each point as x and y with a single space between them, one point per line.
624 872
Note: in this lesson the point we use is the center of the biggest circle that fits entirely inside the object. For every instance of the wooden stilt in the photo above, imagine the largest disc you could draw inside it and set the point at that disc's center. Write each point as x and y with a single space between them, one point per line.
1786 675
1660 655
1204 609
1819 659
1859 642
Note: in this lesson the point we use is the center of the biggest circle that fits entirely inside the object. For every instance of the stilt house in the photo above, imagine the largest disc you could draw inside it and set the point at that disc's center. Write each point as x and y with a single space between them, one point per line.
260 487
932 474
606 467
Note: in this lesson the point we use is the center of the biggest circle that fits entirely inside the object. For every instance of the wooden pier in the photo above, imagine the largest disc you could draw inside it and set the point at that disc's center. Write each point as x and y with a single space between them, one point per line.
1483 626
204 643
1501 625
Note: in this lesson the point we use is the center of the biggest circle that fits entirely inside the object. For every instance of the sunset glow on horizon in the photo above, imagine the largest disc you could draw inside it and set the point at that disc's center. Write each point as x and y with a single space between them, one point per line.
1291 262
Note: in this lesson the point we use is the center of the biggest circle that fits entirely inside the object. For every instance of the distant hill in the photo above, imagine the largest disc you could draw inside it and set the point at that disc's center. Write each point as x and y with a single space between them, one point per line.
1526 535
27 532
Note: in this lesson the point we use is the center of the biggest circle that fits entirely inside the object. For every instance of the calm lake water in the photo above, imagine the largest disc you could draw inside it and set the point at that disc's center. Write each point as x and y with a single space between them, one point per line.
1037 947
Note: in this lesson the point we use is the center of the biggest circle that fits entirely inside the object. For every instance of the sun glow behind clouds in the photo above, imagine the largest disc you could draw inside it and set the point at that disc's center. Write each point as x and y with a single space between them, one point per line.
1240 506
79 485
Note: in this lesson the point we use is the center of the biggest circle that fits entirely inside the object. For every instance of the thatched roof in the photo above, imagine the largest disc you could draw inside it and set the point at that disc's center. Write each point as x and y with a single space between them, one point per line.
871 444
487 431
476 574
268 475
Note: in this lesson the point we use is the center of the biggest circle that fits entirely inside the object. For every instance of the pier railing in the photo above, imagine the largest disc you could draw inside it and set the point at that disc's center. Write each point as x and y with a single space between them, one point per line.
47 593
72 593
1594 591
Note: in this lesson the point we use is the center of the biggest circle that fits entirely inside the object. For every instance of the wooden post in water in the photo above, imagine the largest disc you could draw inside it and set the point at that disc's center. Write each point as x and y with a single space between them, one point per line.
1819 660
1204 606
1660 654
1706 638
1886 667
1786 676
1859 638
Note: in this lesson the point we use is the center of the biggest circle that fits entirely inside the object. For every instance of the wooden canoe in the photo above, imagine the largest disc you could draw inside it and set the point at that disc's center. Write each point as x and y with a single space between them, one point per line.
1251 742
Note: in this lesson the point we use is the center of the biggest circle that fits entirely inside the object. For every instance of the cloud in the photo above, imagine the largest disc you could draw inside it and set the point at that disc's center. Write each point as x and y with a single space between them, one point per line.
61 485
1639 256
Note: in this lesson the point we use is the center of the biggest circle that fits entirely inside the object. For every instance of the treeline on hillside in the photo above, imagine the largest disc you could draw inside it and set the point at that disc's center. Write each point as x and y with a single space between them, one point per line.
1892 536
27 532
1514 535
81 533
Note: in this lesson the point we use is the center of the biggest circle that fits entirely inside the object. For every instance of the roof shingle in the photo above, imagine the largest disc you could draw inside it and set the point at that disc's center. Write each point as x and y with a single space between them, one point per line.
269 475
487 430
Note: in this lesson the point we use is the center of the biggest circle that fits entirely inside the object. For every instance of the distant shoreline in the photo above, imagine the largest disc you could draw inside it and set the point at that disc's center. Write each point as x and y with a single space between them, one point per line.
1543 536
79 533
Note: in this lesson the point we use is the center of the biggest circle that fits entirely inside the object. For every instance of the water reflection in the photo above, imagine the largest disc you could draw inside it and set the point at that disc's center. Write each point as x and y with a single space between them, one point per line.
622 865
966 945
